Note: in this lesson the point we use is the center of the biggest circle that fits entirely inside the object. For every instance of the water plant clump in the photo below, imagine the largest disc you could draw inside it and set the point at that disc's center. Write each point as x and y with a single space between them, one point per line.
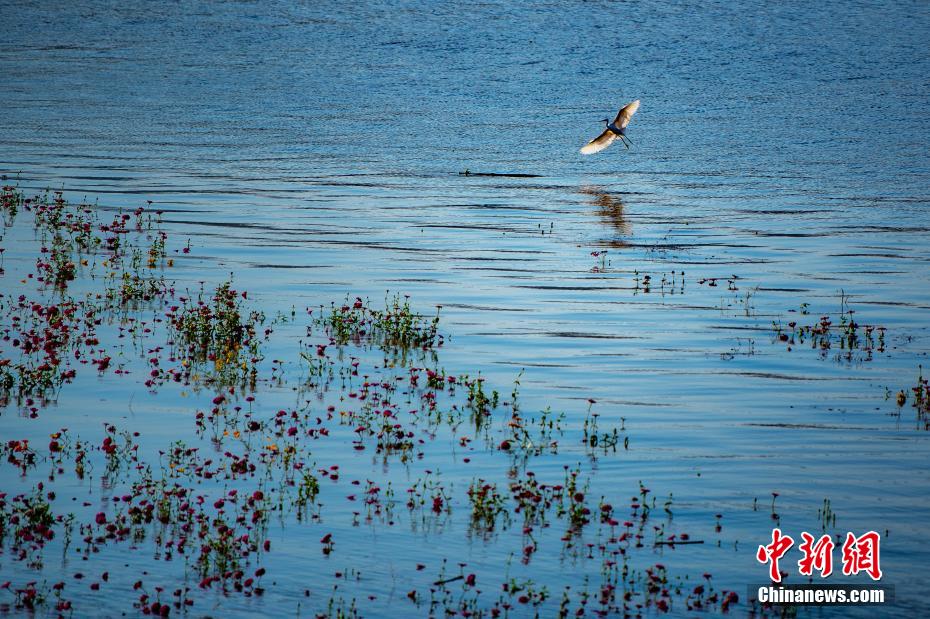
601 261
217 330
307 492
11 200
852 340
921 393
51 328
394 327
30 522
919 398
535 435
573 504
595 439
480 402
486 505
51 338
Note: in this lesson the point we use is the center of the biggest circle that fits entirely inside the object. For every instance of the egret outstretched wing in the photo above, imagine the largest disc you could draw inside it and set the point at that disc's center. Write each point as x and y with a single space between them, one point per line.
625 114
599 143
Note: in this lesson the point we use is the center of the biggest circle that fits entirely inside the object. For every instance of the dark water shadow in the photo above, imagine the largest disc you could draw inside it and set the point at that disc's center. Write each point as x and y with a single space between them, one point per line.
611 211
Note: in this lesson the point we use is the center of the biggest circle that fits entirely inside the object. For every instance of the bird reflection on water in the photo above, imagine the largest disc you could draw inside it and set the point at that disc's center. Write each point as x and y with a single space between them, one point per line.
610 210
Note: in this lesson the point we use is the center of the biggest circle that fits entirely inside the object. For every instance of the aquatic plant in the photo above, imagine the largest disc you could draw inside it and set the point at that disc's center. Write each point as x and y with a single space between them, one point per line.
486 505
601 261
595 439
55 329
394 327
11 200
920 399
216 329
855 341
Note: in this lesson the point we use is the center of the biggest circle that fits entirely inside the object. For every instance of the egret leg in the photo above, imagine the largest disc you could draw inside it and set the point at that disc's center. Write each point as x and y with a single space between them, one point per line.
628 139
624 142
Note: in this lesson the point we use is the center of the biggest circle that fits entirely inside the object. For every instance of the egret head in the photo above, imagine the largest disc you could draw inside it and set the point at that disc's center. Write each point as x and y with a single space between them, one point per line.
605 120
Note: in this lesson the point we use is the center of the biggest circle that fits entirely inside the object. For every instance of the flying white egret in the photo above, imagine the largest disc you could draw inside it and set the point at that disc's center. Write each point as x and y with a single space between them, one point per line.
614 129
